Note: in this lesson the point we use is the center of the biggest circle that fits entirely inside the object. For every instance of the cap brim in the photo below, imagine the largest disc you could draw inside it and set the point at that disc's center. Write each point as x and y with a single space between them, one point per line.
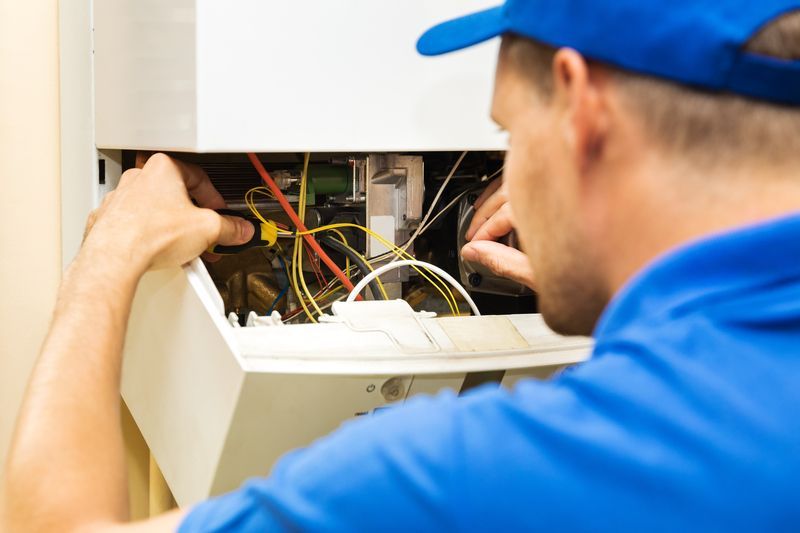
463 32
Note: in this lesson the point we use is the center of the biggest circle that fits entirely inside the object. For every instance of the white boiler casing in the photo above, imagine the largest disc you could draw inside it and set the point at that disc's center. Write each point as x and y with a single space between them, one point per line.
269 76
218 403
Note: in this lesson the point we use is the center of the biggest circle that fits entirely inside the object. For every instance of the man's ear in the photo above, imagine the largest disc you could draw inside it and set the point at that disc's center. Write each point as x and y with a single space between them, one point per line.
580 94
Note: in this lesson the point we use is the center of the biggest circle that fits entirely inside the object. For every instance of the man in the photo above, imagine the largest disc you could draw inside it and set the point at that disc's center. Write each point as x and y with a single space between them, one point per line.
653 178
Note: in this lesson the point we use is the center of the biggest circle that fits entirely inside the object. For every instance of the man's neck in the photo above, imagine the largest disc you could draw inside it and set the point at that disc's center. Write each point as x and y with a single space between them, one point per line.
668 204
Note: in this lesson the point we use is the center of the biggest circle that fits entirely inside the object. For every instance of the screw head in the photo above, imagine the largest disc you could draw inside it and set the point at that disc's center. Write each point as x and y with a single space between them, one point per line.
475 279
393 389
370 387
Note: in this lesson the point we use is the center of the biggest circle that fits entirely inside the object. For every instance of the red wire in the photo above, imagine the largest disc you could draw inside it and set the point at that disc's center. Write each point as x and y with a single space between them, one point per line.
288 315
314 266
317 266
299 223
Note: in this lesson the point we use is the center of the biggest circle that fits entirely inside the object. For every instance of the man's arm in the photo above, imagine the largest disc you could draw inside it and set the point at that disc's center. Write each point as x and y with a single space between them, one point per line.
66 470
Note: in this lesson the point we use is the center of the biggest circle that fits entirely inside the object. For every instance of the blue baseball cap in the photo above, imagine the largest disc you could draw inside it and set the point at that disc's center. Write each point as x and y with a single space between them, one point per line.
693 42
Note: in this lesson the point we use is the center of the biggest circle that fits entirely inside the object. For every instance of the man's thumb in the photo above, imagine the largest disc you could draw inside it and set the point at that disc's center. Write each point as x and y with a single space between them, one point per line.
503 260
234 230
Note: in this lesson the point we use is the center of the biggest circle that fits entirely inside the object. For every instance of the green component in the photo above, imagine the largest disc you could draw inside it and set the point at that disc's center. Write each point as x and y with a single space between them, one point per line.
328 179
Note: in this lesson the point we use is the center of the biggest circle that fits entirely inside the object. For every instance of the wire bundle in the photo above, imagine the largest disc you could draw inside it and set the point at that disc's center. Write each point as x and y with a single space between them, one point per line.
303 240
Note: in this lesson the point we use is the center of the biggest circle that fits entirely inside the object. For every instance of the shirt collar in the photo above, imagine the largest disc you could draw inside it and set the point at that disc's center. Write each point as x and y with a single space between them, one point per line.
728 262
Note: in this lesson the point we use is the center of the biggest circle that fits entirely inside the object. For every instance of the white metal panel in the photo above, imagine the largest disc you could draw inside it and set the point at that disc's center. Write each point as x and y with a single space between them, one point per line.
145 83
281 412
180 380
337 349
217 404
271 76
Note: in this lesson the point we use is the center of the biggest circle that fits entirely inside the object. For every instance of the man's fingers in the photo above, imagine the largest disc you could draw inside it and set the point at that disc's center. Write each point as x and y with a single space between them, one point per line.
498 225
209 257
128 176
234 230
197 183
487 192
484 209
502 260
200 187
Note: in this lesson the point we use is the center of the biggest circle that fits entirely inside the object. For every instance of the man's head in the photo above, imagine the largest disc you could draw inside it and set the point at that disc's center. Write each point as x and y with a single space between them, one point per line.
607 168
577 130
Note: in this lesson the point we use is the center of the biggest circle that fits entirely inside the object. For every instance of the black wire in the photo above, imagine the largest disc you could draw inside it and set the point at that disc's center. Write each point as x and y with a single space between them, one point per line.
356 259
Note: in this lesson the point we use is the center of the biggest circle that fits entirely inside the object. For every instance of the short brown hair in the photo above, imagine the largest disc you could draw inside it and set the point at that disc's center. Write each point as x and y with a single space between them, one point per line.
705 126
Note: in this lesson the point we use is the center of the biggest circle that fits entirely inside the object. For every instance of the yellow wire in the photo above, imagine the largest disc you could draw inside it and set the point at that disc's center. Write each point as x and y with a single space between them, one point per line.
451 301
449 297
298 242
301 297
345 243
297 263
297 255
346 258
348 266
294 270
330 293
334 287
250 202
292 279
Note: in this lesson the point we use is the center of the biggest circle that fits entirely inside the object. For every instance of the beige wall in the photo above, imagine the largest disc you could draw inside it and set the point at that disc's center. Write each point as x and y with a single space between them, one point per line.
32 228
30 249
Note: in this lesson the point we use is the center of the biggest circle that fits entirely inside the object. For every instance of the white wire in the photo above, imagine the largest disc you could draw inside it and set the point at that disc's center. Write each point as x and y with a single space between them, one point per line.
423 228
454 200
436 198
497 172
444 210
431 222
413 262
427 226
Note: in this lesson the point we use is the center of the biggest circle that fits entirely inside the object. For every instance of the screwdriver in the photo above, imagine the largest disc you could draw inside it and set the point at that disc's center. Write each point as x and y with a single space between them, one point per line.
265 234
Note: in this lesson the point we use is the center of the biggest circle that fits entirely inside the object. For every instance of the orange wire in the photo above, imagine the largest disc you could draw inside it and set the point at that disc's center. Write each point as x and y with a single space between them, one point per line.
309 238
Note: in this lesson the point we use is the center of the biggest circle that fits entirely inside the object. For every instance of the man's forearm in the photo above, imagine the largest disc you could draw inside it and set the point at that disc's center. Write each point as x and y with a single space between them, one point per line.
66 467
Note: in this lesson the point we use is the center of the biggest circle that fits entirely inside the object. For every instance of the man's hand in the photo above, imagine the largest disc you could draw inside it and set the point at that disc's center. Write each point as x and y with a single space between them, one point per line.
66 467
493 221
150 222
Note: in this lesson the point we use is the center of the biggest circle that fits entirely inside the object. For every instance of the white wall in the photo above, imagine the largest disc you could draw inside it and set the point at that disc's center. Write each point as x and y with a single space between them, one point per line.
30 249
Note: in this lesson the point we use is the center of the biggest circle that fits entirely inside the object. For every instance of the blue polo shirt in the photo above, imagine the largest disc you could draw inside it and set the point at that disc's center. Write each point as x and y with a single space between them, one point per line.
687 418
